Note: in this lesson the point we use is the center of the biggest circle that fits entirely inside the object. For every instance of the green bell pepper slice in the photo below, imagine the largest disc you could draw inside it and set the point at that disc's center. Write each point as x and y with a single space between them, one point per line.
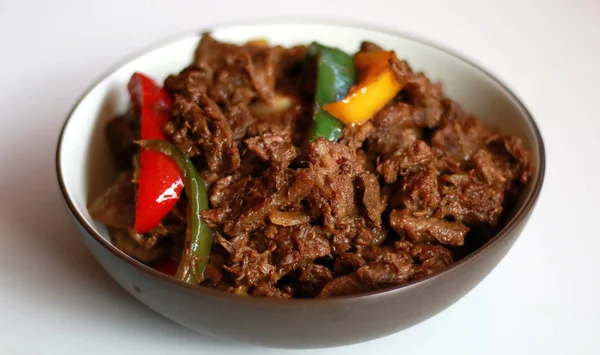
198 235
335 76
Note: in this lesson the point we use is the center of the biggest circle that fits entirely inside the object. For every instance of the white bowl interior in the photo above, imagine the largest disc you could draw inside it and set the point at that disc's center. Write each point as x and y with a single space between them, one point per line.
84 156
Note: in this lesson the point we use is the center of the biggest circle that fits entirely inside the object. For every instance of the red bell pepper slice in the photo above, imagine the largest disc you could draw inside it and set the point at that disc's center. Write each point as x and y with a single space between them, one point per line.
160 179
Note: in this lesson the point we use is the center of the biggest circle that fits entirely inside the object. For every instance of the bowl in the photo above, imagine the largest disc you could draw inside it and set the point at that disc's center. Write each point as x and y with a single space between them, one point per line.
84 168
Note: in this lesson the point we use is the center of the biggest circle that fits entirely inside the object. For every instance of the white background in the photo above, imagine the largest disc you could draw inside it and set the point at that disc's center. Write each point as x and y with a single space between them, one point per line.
542 299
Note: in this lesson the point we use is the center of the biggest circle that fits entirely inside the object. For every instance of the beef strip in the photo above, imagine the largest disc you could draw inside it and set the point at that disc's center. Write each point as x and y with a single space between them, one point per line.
404 161
426 230
342 286
123 240
121 132
116 206
420 192
393 130
200 128
333 195
470 200
377 267
253 68
355 136
372 201
512 153
433 259
274 148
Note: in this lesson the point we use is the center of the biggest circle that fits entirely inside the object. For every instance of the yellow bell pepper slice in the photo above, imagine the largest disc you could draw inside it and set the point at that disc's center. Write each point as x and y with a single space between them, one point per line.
377 86
363 61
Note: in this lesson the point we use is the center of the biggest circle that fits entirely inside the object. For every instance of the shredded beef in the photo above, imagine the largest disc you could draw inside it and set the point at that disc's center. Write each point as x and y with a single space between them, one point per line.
343 286
116 206
121 134
275 148
250 67
433 258
371 197
426 230
470 200
354 136
405 161
393 130
367 46
420 192
397 199
266 289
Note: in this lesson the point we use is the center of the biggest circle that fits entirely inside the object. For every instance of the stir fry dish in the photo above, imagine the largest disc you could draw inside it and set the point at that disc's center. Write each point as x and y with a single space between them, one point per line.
303 172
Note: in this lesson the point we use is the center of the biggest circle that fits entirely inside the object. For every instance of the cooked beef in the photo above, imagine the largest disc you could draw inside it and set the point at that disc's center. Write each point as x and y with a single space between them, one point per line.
404 161
313 278
470 200
123 240
427 230
200 128
397 199
121 133
355 136
367 46
343 286
512 154
275 148
393 130
371 197
459 138
231 69
420 192
267 289
116 206
432 258
247 265
385 266
332 196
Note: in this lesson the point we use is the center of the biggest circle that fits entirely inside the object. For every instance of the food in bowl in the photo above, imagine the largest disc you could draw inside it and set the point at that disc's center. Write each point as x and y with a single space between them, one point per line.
303 172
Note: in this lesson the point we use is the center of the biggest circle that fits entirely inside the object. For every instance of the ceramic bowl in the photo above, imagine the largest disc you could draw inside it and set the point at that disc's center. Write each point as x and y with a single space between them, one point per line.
85 168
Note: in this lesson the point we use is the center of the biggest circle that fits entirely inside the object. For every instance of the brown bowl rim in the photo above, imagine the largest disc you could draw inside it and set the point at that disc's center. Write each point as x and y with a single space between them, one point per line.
510 227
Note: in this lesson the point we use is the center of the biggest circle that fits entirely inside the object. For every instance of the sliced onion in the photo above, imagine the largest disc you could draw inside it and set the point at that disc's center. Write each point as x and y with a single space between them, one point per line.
258 42
136 169
280 104
241 291
290 218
